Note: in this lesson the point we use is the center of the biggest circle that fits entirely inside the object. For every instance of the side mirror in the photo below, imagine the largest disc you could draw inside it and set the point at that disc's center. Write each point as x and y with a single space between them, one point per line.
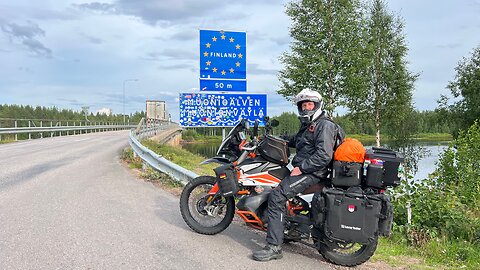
274 123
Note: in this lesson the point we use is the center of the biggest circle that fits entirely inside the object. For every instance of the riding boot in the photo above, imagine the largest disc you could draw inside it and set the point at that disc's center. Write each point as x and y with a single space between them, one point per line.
269 252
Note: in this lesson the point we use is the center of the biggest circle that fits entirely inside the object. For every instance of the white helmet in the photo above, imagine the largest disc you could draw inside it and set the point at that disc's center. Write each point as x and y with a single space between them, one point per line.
309 95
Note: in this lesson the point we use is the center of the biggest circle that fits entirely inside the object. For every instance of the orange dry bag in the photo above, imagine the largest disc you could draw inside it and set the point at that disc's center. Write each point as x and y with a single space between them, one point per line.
351 150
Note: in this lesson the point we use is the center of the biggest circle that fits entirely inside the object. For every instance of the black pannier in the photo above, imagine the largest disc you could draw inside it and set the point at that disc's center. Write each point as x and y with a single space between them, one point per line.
375 176
318 210
274 149
227 180
386 218
346 174
350 216
385 174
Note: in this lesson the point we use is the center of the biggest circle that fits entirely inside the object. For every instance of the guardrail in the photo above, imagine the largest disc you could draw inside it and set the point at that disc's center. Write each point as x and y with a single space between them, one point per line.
46 128
148 128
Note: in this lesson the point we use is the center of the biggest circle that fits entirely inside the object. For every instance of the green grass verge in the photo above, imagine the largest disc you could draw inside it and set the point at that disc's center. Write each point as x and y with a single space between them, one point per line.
181 157
437 253
132 161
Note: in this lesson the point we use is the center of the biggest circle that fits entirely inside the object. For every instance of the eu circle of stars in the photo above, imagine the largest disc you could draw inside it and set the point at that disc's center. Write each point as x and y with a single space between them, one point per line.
222 54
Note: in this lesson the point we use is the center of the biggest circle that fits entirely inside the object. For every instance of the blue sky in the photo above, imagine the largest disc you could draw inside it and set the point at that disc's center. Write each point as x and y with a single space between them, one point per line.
70 53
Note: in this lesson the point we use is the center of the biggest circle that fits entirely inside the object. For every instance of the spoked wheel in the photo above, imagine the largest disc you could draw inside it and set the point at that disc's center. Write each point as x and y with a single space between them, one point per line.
204 213
347 254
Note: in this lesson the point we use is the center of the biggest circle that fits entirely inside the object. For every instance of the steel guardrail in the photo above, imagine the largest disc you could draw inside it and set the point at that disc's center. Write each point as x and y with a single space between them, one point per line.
154 160
20 130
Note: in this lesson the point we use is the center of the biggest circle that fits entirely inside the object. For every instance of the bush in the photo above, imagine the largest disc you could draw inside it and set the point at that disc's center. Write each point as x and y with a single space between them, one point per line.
447 204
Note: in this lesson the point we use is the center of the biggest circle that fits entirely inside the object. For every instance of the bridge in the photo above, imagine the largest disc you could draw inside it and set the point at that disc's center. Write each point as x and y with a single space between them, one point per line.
68 202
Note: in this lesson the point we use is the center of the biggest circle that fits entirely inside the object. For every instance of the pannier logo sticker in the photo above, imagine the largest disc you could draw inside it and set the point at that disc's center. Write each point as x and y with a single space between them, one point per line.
350 227
351 208
223 176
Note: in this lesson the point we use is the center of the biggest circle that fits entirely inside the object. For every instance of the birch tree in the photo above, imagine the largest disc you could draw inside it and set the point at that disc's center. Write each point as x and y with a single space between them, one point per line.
325 54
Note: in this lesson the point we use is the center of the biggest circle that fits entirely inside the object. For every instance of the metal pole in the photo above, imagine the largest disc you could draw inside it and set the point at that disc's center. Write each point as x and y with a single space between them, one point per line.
16 135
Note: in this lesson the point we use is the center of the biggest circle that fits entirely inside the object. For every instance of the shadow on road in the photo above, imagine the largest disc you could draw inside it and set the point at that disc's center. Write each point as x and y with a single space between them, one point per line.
238 232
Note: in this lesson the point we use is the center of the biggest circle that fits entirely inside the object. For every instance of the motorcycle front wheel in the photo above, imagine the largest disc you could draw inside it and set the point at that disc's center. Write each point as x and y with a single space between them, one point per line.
204 213
347 254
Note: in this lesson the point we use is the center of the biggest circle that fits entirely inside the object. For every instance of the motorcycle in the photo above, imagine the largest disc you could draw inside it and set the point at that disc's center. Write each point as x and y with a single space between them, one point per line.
342 219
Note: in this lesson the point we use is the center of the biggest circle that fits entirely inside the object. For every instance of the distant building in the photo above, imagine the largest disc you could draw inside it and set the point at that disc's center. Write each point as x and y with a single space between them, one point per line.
105 111
157 109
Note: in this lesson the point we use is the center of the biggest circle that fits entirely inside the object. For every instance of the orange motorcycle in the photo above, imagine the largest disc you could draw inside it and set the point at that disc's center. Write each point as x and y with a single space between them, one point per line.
342 220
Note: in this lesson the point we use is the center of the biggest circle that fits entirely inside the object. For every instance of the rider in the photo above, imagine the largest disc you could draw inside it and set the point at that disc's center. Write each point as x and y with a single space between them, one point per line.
315 143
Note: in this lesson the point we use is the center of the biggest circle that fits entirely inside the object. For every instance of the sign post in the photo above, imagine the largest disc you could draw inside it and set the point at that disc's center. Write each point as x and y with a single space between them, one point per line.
223 68
221 110
223 61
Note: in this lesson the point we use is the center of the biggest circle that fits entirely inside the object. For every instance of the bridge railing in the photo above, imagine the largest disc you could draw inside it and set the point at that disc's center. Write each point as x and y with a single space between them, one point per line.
10 129
148 128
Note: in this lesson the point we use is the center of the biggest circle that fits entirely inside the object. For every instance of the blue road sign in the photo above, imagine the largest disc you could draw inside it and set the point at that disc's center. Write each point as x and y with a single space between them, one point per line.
223 85
221 110
223 56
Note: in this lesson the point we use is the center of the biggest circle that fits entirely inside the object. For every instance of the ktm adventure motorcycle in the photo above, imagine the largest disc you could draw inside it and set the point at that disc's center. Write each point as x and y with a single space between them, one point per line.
342 219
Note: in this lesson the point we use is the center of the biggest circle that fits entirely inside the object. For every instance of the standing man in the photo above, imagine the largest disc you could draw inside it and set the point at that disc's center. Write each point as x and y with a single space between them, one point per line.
315 143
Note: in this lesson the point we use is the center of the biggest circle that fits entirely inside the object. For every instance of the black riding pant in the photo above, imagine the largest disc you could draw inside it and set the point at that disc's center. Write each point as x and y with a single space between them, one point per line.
276 211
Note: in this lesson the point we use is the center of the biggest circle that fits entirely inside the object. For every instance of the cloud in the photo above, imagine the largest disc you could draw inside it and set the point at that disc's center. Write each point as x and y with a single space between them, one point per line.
449 46
171 54
68 100
96 6
255 69
25 69
281 41
184 35
26 35
93 40
154 11
177 66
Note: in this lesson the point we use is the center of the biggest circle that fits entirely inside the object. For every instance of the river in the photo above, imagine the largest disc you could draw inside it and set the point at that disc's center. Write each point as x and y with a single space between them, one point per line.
426 165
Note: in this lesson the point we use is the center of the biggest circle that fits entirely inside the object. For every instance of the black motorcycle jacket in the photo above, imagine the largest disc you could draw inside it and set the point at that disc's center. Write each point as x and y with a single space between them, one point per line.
315 143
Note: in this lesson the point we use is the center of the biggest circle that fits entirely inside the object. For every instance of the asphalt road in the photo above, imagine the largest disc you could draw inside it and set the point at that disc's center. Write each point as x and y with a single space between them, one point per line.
68 203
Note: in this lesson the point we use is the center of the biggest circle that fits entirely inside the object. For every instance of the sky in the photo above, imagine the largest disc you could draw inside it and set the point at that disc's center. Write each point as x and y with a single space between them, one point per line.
73 53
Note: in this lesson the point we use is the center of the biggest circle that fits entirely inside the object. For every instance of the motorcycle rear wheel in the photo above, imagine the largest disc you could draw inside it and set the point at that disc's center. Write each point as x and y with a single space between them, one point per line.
198 215
348 254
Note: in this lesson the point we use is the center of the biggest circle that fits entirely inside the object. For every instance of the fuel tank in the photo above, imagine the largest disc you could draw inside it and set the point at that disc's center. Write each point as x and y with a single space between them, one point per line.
260 165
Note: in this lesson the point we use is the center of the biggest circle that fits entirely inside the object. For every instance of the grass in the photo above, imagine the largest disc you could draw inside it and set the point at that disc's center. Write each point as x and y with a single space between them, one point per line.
437 253
132 161
181 157
433 137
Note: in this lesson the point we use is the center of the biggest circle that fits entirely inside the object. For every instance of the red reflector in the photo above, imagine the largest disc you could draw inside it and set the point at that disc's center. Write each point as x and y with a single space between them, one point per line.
351 208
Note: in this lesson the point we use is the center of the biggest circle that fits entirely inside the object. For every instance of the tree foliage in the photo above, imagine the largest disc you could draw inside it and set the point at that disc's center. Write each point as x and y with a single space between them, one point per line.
53 113
466 87
289 124
387 99
448 203
326 49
